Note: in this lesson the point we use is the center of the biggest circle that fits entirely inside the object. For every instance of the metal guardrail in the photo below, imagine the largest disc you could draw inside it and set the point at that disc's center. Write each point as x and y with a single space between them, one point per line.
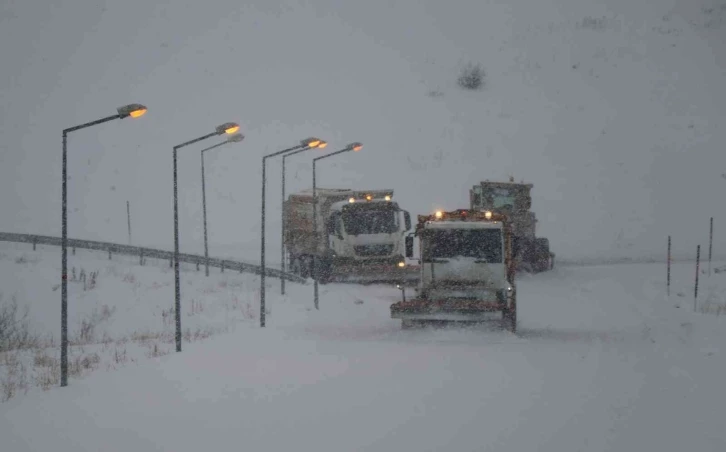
141 252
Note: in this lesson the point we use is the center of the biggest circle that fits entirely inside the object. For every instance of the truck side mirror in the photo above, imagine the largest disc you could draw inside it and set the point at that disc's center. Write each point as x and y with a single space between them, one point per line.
407 220
409 246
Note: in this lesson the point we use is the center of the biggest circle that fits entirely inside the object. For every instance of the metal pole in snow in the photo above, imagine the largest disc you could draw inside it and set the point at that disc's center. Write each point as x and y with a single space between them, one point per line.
282 230
64 266
128 218
123 112
263 269
695 293
710 246
204 221
316 290
316 264
307 143
668 268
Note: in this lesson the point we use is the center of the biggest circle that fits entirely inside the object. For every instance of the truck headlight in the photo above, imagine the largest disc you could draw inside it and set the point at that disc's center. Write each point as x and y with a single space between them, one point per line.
401 264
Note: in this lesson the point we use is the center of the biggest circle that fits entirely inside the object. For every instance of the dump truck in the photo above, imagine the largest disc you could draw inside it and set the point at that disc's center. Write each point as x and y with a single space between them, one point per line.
358 237
531 253
466 273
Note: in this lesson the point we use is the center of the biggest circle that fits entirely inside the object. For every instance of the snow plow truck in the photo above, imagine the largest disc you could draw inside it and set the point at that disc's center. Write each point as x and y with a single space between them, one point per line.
467 272
358 237
531 254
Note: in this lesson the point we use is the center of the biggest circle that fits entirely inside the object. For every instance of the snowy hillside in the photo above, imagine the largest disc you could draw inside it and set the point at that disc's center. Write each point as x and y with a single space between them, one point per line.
603 361
614 111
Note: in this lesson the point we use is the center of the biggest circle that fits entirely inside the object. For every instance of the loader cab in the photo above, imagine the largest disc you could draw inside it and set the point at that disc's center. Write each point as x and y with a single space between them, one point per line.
505 197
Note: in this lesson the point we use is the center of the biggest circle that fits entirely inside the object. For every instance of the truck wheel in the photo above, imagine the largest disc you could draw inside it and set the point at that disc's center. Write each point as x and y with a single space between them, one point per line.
409 324
542 254
294 266
509 317
299 266
324 267
509 320
526 255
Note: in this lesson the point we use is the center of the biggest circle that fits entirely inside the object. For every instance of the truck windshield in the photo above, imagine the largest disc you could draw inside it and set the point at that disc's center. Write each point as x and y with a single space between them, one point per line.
366 218
485 244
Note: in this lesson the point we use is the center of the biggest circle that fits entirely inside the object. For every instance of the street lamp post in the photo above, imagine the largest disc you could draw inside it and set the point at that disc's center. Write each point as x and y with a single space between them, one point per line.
228 128
322 145
131 110
351 147
236 138
304 144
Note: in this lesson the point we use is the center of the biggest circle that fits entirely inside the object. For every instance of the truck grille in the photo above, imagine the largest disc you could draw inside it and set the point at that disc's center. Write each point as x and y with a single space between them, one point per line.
374 250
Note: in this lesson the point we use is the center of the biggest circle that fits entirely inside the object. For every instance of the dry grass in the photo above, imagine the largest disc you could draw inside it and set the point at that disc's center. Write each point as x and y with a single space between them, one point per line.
16 376
29 361
15 331
86 333
20 370
712 308
47 372
713 300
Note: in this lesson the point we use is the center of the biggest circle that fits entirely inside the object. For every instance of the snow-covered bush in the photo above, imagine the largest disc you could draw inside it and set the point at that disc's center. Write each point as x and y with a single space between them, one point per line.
471 77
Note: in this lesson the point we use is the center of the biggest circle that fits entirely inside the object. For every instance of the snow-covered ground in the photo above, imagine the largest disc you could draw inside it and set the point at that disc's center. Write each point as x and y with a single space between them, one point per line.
604 360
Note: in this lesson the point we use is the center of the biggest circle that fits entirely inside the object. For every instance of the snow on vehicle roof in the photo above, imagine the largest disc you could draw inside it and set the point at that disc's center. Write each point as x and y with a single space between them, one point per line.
446 224
338 206
341 191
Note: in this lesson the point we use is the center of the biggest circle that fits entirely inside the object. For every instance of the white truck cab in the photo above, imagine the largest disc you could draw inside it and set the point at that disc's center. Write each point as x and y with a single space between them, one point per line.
466 271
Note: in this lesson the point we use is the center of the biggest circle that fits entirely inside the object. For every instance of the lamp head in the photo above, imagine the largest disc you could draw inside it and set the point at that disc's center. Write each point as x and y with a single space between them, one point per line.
133 110
229 128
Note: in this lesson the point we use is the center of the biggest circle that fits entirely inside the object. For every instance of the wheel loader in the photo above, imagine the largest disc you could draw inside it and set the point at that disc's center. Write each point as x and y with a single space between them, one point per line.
531 254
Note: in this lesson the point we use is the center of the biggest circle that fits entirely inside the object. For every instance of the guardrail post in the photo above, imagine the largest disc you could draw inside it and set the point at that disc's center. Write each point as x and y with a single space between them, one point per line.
141 256
222 266
197 265
695 290
33 245
171 262
74 250
109 254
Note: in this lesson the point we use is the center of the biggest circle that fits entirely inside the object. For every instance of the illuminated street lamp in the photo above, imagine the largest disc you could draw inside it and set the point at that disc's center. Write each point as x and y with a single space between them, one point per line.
228 128
236 138
355 147
308 143
321 145
133 111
